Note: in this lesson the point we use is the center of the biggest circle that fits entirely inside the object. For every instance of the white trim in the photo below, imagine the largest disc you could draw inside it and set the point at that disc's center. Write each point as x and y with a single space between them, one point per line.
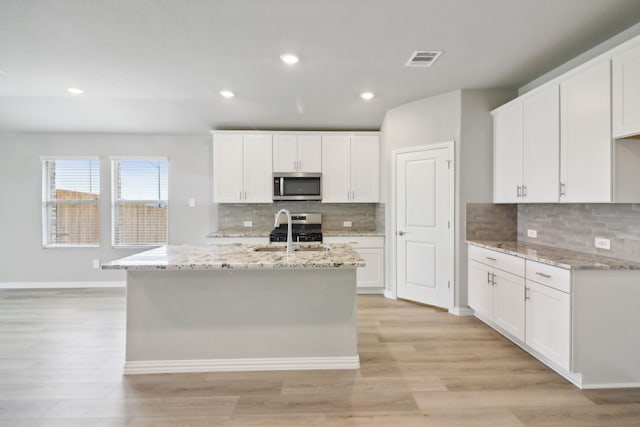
292 132
138 158
461 311
609 385
370 290
62 285
225 365
450 145
389 294
45 158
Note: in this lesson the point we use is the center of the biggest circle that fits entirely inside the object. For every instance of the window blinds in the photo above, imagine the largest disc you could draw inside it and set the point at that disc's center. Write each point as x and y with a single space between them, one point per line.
70 202
140 199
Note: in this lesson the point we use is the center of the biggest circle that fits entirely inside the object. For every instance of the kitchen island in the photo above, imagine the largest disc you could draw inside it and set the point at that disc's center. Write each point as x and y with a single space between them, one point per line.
194 308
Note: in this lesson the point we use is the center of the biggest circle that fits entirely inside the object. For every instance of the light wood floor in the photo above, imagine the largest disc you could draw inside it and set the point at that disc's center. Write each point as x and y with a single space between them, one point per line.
62 351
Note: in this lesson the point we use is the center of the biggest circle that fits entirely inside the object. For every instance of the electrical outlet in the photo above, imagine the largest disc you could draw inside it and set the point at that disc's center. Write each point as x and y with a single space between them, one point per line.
96 263
347 223
248 223
602 243
532 233
192 202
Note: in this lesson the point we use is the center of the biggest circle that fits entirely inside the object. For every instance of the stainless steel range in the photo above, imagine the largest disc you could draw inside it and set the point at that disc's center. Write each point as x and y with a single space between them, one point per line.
305 227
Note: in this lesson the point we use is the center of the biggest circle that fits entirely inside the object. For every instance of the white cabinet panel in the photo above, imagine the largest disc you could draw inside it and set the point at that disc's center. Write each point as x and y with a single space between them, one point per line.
371 275
242 168
309 153
541 155
586 144
507 153
350 169
285 153
626 92
480 289
364 169
336 168
548 323
297 153
227 169
508 299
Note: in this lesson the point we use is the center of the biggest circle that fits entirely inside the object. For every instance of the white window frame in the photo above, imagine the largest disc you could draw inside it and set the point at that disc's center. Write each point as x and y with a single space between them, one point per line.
115 202
47 199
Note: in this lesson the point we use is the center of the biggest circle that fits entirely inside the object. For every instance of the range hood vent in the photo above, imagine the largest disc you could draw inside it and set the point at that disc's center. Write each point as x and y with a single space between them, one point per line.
423 58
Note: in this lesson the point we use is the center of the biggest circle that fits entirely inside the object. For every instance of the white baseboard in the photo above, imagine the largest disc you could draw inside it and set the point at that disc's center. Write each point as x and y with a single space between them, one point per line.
389 294
225 365
62 285
609 385
367 291
461 311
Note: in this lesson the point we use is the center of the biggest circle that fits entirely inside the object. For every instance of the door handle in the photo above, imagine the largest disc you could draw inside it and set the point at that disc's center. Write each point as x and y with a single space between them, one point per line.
519 191
401 233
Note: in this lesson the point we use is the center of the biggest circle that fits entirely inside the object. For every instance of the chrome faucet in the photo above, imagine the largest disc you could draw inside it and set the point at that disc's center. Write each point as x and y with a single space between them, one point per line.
277 224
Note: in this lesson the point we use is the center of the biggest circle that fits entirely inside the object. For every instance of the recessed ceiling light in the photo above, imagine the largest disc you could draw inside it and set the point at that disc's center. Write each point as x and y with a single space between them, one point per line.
227 93
289 58
75 91
367 96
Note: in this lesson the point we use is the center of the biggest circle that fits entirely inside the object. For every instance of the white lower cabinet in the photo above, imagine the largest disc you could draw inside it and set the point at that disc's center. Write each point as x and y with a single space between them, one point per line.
579 322
370 278
506 293
497 296
548 320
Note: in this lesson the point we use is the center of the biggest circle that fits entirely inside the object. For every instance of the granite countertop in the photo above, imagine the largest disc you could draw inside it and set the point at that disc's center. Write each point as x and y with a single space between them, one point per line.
236 256
330 233
557 257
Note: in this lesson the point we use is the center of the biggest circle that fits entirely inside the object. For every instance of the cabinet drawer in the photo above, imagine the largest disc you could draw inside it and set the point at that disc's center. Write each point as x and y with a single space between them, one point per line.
356 241
508 263
554 277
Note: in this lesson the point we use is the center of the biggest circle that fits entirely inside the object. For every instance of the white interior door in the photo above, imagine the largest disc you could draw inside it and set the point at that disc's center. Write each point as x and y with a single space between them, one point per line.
423 255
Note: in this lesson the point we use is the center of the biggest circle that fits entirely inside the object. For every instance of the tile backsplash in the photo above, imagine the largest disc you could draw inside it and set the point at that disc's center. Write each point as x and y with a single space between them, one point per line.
575 227
486 221
362 215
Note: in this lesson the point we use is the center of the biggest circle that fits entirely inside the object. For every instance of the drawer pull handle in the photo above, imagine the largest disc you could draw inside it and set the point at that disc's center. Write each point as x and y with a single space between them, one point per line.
546 276
491 259
527 294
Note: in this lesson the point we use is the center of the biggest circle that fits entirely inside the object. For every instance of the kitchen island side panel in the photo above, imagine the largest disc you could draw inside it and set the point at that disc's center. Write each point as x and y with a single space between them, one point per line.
233 314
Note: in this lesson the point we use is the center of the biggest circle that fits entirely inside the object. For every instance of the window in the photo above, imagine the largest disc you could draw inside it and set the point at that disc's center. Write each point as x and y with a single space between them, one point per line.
140 198
70 202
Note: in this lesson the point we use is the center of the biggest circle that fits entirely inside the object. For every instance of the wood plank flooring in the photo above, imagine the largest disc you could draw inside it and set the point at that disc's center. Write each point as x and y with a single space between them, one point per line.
62 351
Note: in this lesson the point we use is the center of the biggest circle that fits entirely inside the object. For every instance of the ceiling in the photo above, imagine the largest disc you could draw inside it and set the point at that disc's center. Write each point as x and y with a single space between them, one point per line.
157 66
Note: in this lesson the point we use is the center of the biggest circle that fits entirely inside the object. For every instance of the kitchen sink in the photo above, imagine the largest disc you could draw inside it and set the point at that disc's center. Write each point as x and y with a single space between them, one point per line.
299 249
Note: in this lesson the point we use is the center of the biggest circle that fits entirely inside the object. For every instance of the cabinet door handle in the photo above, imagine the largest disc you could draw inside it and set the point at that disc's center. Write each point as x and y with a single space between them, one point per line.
295 165
524 191
493 279
240 195
527 293
488 277
563 187
490 259
546 276
299 165
519 191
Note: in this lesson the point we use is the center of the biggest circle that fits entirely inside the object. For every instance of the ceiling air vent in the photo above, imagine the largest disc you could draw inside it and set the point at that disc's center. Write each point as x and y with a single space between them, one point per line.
423 58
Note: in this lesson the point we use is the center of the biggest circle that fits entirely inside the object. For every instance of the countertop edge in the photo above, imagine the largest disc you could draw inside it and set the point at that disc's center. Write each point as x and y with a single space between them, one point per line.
557 257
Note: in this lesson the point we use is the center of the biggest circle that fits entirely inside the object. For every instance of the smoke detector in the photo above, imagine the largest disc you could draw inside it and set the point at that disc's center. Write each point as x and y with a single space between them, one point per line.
423 58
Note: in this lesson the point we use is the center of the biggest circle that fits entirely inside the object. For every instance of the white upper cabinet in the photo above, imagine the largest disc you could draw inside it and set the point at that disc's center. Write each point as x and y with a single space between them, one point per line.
297 153
541 156
626 92
350 169
586 143
242 168
507 153
527 149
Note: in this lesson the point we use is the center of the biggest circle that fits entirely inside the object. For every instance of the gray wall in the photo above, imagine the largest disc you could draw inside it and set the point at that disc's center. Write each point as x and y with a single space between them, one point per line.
22 255
460 116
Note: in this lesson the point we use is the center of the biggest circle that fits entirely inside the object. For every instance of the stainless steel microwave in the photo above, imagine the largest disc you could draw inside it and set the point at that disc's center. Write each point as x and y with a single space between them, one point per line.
297 186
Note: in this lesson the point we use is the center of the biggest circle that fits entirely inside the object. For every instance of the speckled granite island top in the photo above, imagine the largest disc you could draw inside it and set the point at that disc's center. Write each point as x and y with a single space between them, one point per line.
325 233
558 257
238 256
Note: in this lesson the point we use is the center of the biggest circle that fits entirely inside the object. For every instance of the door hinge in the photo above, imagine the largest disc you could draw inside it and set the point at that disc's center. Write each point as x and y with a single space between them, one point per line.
449 224
448 164
448 284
